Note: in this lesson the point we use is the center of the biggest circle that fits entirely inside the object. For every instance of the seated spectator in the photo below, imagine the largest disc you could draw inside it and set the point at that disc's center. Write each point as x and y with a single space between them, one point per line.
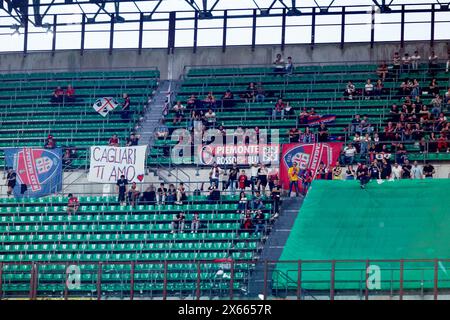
350 90
294 135
67 157
209 102
178 223
415 60
210 118
415 89
257 204
433 88
228 99
243 202
73 204
447 98
246 222
386 169
171 194
214 193
133 194
405 88
195 224
303 116
349 154
260 93
278 110
179 112
350 173
378 90
250 93
363 175
289 66
181 194
279 66
307 136
416 171
355 123
442 144
382 71
125 112
70 94
133 140
400 153
58 95
289 111
368 89
162 131
259 221
113 141
192 102
323 133
336 171
161 194
50 142
436 104
148 196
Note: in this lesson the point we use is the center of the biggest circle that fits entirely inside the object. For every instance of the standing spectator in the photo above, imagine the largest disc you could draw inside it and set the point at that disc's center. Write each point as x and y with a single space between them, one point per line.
289 66
195 224
113 141
396 61
50 143
363 175
375 170
337 171
279 66
415 61
307 178
125 112
276 196
257 203
428 170
58 95
350 90
11 179
323 133
122 189
436 103
432 63
214 193
396 171
293 179
416 171
262 178
278 109
209 102
433 88
161 194
70 94
442 144
406 63
243 180
378 90
232 179
273 178
133 194
294 135
307 136
178 222
149 196
253 175
386 169
73 204
214 174
210 118
406 170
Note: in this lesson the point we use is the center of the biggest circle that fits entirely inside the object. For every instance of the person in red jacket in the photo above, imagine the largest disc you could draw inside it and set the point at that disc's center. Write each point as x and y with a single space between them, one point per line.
70 94
243 180
58 95
72 205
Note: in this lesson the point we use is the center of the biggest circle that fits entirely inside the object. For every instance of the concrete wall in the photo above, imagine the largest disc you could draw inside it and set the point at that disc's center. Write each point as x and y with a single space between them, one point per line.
172 66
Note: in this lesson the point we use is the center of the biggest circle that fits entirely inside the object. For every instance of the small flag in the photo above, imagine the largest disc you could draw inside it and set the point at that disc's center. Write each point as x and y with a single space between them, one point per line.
104 105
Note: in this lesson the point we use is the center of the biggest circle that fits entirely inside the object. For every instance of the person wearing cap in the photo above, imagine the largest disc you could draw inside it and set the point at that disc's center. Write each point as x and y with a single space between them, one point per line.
50 143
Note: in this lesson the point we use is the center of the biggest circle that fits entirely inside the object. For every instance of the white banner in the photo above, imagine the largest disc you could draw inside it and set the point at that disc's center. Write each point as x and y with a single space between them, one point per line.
104 105
109 163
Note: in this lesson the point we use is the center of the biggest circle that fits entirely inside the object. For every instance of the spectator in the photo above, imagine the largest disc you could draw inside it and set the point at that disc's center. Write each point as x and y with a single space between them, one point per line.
276 196
73 204
406 63
67 157
178 223
243 203
279 66
214 174
415 60
322 172
11 179
232 179
161 194
214 193
253 175
375 170
350 90
323 133
149 196
294 135
350 173
246 222
261 183
278 110
133 194
273 177
428 170
70 94
406 170
307 178
58 95
337 171
378 90
259 221
382 71
181 194
396 61
432 63
349 154
171 194
210 118
386 169
122 189
228 99
355 123
133 140
415 89
307 136
289 111
257 204
363 175
396 171
436 103
289 66
416 171
293 179
368 89
260 93
125 112
243 180
433 87
209 102
50 143
113 141
447 64
195 224
162 131
250 93
442 144
179 112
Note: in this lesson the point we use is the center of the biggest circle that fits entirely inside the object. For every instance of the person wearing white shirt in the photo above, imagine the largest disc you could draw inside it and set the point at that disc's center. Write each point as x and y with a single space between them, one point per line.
416 171
406 63
432 62
368 89
415 60
254 175
349 154
396 171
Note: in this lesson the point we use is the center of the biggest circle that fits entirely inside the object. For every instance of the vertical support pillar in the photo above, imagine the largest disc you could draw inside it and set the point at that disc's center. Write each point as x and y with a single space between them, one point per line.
194 49
342 27
25 35
372 28
111 34
333 270
99 281
313 28
283 29
197 290
401 278
224 31
132 280
171 38
433 11
254 30
141 32
165 280
435 282
83 32
299 280
54 34
402 27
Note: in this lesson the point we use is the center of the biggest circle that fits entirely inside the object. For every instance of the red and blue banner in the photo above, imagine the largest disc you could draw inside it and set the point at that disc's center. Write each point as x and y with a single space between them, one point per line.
308 156
315 120
39 169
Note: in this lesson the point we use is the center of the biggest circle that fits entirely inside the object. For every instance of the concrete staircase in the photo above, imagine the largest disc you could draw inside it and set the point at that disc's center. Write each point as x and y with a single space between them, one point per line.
274 245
